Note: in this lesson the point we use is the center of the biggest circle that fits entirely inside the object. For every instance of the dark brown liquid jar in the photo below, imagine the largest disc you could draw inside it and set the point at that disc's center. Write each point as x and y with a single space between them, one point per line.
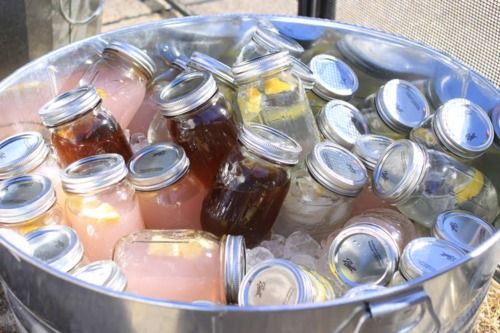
196 117
251 185
81 127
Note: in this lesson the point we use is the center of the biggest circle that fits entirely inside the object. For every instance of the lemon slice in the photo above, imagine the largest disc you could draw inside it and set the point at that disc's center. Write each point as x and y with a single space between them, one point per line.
471 189
170 248
101 93
92 208
276 86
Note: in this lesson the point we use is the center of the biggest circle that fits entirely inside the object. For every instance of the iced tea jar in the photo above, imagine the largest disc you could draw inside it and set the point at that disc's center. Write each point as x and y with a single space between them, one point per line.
423 183
196 117
27 203
81 127
270 94
182 265
170 196
321 195
251 185
100 204
121 76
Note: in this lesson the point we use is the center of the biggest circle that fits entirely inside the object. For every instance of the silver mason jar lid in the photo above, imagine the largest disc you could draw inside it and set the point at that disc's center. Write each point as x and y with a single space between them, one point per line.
399 171
270 144
364 290
273 40
93 173
186 92
140 58
495 119
234 249
462 228
337 169
58 246
303 72
69 106
261 66
24 198
157 166
428 255
370 148
463 128
275 282
342 123
202 62
334 78
363 253
21 153
401 105
104 273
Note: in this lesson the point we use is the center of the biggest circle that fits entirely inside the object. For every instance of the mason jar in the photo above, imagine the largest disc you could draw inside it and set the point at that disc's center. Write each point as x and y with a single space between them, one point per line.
182 265
395 109
459 128
304 73
170 196
121 77
100 203
251 185
334 79
281 282
80 126
28 203
270 94
103 273
321 194
423 183
364 290
196 117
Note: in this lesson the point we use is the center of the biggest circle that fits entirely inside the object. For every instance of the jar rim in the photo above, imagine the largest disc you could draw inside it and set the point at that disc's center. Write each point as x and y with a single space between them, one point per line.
203 62
104 273
366 154
338 81
264 65
140 58
303 72
275 40
233 248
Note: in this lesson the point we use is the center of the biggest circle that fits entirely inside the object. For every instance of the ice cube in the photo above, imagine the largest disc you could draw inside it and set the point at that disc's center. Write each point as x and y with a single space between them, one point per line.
301 243
304 260
257 255
322 265
276 245
138 141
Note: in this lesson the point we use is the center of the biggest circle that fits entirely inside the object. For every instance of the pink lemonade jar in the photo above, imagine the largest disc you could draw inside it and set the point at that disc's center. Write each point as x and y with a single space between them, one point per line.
121 77
182 265
100 204
170 196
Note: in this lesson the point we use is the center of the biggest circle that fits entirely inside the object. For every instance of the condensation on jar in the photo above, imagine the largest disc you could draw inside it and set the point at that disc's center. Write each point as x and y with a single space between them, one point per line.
321 194
423 183
395 109
103 273
251 185
101 204
81 127
196 117
182 265
170 196
281 282
121 77
28 203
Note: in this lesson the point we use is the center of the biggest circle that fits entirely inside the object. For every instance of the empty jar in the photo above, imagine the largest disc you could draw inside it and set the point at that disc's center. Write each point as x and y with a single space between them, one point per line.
81 127
459 128
395 109
251 185
321 195
281 282
121 76
27 203
100 204
103 273
423 183
182 265
197 118
170 196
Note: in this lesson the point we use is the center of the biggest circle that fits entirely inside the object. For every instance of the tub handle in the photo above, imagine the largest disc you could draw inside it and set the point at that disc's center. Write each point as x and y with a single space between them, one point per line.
88 19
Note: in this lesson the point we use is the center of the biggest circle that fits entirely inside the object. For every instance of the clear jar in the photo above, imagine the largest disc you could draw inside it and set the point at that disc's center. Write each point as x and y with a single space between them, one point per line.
103 273
459 128
270 94
423 183
341 123
28 203
100 203
281 282
334 79
121 76
182 265
81 127
170 196
396 108
251 185
196 117
321 195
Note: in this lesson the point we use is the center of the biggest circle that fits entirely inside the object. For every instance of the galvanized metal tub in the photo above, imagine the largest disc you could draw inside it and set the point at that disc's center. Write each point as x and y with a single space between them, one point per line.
47 300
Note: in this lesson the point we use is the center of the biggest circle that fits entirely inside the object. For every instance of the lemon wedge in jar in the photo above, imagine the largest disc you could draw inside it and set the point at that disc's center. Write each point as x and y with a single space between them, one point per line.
276 86
168 248
92 208
471 189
